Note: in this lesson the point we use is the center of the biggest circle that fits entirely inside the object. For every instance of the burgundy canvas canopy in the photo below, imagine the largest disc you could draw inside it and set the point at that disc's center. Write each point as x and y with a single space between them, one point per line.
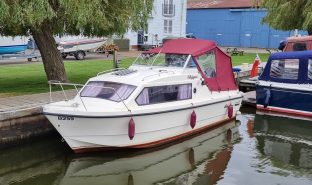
194 47
224 79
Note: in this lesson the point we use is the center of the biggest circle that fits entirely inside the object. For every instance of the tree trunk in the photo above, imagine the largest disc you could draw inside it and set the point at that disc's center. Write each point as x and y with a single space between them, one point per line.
51 57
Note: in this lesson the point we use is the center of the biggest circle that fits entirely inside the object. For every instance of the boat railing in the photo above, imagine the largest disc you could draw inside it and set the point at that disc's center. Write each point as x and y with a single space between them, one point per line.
110 70
76 86
158 74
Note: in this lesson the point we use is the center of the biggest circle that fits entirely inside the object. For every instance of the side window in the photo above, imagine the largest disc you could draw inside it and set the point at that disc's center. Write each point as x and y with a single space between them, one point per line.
310 69
299 46
207 63
285 69
161 94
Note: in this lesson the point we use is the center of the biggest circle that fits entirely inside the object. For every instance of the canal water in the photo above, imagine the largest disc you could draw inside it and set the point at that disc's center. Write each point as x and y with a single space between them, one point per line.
255 149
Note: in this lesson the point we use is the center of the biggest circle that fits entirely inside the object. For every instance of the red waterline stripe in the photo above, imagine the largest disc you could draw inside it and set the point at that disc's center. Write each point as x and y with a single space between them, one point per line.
284 111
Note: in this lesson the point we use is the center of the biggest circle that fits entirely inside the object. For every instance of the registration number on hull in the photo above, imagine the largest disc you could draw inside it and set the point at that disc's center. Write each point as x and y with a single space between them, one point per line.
65 118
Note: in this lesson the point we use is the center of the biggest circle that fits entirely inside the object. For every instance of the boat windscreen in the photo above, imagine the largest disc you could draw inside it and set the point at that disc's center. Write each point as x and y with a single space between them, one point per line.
162 59
170 60
145 59
107 90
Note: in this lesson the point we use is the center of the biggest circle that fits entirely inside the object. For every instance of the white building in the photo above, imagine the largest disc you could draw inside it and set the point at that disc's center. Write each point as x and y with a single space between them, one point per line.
168 20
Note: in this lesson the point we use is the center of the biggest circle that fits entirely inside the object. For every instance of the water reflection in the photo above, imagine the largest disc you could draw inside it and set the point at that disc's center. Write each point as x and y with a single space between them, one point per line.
201 159
32 163
260 150
284 140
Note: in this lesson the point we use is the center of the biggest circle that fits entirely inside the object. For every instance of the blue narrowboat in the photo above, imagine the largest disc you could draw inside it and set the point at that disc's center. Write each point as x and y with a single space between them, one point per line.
285 84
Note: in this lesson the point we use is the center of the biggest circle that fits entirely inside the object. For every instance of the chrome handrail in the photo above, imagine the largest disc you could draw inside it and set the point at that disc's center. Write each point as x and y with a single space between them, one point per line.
54 82
110 70
160 72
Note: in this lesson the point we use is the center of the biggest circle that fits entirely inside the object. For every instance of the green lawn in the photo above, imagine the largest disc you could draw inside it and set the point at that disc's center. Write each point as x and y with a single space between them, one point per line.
30 78
248 58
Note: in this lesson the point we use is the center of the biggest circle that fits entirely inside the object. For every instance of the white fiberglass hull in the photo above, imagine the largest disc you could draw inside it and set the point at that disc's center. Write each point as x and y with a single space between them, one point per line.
81 45
85 133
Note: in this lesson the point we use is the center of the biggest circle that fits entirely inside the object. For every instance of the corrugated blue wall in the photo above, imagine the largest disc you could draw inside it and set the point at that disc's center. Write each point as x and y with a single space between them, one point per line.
234 27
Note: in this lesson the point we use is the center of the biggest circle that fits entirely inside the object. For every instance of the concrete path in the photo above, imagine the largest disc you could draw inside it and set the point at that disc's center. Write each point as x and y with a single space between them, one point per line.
90 56
19 106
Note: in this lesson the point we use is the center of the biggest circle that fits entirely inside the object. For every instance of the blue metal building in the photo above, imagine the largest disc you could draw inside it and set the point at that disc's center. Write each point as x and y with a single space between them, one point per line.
238 26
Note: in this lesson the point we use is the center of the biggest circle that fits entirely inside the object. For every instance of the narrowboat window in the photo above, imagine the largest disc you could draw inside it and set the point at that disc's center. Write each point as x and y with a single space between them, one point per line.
107 90
161 94
299 46
310 69
207 63
285 69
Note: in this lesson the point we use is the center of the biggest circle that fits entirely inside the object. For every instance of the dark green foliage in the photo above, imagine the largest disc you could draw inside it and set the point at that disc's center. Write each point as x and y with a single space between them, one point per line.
47 18
289 14
92 17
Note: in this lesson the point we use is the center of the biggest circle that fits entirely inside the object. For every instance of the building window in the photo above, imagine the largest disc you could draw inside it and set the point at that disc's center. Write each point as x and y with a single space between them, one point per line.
162 94
168 8
285 69
310 70
207 63
167 26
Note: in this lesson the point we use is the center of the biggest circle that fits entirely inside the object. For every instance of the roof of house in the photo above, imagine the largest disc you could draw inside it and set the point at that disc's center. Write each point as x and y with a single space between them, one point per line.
218 4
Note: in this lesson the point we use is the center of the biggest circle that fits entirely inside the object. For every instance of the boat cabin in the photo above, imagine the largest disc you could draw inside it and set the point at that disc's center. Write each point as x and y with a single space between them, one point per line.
170 92
175 71
289 67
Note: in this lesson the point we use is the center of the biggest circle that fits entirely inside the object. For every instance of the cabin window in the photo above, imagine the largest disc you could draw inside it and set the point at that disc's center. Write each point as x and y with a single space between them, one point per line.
107 90
162 94
299 46
310 70
207 63
285 69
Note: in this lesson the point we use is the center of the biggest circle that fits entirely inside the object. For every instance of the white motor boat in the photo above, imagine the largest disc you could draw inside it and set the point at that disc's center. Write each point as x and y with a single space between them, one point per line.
169 93
79 47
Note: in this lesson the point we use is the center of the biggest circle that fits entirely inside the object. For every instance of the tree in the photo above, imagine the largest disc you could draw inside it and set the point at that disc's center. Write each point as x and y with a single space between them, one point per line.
289 14
44 19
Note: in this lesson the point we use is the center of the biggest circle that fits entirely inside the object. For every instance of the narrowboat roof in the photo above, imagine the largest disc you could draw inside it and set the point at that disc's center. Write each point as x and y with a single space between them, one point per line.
291 55
299 39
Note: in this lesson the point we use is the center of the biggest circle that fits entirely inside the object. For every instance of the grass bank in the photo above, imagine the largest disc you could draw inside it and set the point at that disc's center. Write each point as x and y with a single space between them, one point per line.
30 78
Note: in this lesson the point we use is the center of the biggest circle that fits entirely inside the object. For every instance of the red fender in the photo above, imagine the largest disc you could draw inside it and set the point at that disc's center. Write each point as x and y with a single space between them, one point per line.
193 119
230 111
131 129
